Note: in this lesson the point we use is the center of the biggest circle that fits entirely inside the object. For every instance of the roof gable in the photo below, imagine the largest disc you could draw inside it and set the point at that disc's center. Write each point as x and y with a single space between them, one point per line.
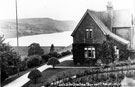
106 30
87 12
100 21
79 23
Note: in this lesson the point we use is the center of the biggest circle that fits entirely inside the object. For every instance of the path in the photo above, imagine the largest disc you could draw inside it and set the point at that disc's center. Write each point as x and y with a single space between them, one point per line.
19 82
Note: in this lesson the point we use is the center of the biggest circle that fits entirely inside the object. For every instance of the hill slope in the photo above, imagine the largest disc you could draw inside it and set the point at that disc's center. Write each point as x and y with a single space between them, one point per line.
34 26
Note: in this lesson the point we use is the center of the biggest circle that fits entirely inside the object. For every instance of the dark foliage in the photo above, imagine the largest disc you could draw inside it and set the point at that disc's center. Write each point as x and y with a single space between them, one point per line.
53 61
34 61
124 54
45 57
23 65
9 60
3 75
107 52
35 49
52 48
54 54
65 53
34 75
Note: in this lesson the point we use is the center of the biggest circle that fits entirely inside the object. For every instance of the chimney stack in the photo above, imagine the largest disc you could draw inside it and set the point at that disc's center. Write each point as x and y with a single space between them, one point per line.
133 34
109 6
110 14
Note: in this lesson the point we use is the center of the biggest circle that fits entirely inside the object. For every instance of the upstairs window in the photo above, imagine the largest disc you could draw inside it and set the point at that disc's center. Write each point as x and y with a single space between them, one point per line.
89 33
89 52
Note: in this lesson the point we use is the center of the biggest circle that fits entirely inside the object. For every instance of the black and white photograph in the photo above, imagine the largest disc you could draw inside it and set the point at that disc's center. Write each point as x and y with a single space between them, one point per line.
67 43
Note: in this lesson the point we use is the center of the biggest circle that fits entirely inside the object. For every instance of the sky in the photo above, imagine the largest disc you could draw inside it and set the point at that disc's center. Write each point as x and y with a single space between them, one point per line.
57 9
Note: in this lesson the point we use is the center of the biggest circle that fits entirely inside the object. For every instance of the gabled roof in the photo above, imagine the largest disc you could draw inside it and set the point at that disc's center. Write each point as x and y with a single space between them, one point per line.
101 20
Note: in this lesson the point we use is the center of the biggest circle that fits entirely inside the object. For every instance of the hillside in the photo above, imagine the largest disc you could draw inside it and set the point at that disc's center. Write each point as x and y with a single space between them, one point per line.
34 26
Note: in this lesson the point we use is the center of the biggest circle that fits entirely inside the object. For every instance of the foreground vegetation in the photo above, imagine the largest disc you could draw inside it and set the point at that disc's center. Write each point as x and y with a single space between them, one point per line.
13 67
96 77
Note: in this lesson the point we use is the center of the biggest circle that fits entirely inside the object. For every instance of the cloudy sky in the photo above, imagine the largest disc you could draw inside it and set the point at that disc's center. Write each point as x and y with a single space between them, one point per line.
57 9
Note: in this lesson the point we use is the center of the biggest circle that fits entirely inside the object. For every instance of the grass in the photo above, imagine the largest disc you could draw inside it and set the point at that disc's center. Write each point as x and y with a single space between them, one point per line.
71 64
66 63
49 75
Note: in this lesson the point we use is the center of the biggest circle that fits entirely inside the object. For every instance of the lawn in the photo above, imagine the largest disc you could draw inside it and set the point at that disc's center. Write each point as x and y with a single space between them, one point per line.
66 63
50 75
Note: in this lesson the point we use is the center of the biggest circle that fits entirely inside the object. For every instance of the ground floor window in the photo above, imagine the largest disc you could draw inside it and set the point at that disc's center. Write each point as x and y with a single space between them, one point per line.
89 52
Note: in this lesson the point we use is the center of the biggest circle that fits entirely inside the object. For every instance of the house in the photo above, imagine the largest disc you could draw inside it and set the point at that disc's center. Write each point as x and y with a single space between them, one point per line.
93 28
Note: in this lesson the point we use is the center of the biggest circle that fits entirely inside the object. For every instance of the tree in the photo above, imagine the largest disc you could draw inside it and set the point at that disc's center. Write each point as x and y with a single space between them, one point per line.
52 49
45 57
107 52
9 59
33 61
53 61
35 49
34 75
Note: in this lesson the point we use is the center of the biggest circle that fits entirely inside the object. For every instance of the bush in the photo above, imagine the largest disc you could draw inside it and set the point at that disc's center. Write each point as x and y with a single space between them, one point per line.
35 49
23 65
34 75
45 57
54 54
65 53
53 61
34 61
8 58
4 75
124 54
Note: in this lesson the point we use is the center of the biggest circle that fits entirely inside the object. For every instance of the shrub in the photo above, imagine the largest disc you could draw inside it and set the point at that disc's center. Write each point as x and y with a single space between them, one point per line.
23 65
54 54
4 75
53 61
34 61
99 62
107 52
35 49
34 75
66 53
8 58
45 57
124 54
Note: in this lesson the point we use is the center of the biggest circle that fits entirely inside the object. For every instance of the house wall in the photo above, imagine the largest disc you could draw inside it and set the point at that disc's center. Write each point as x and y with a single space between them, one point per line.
78 53
80 41
88 23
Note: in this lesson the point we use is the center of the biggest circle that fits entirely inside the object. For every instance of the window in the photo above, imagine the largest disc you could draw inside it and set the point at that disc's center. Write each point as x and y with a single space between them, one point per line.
116 51
89 52
89 33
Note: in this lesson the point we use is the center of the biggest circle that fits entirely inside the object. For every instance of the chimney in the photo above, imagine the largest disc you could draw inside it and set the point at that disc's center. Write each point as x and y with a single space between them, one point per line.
133 34
110 14
109 6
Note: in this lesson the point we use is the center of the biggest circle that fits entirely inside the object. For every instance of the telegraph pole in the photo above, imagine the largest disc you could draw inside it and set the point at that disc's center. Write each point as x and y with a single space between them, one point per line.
17 64
16 23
